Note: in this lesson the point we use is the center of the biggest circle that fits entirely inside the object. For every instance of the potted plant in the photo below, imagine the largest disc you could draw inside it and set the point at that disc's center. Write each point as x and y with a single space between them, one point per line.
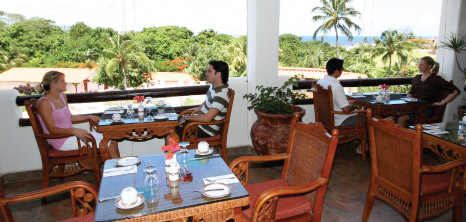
456 43
274 110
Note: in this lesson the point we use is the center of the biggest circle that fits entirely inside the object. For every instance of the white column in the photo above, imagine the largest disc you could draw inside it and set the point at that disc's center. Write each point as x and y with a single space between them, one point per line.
453 20
263 34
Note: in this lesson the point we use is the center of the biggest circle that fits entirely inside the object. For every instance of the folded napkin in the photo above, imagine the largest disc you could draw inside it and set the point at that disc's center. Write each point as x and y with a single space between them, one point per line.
114 111
358 96
120 171
428 126
226 179
435 131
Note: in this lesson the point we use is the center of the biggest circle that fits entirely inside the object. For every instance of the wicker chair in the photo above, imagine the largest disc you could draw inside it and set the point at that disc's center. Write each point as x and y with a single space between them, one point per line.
57 163
399 177
83 195
218 141
324 113
300 193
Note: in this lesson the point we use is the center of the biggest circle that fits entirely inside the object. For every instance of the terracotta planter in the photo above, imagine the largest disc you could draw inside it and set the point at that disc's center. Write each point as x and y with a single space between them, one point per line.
269 134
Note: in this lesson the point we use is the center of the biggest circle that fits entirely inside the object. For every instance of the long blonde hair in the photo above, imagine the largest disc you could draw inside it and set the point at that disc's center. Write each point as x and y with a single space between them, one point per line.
435 65
49 78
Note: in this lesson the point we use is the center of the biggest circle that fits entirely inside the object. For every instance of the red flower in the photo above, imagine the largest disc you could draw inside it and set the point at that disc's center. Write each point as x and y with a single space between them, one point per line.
384 86
171 148
140 99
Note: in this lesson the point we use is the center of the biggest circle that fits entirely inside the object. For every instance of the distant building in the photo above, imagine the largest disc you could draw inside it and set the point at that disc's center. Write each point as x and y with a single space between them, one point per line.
78 79
165 79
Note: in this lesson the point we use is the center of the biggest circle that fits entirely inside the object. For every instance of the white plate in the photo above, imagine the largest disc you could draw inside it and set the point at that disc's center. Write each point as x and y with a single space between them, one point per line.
121 206
160 117
409 99
216 194
128 161
203 154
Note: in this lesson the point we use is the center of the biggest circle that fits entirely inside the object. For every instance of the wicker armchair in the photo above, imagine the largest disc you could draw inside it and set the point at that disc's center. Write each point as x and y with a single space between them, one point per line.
324 113
83 200
218 141
399 177
57 163
300 193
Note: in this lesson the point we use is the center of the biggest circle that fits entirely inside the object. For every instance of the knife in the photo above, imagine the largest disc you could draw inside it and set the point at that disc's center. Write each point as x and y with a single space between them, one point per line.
201 158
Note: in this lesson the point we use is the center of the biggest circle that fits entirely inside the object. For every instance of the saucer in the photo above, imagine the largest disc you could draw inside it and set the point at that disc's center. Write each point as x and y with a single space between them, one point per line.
206 153
128 161
138 202
218 193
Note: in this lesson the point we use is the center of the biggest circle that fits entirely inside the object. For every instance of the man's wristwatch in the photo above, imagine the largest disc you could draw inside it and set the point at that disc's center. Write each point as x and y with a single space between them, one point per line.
444 102
185 117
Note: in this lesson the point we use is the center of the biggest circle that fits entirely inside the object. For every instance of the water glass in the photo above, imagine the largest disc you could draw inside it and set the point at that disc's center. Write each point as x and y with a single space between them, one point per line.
151 177
130 111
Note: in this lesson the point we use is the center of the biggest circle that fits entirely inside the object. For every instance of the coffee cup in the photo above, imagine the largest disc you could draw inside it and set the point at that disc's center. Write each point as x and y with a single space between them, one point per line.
160 103
203 147
160 110
129 196
116 117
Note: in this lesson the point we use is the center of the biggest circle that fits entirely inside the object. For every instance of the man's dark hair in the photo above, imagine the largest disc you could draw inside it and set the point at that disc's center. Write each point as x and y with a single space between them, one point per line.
333 65
222 67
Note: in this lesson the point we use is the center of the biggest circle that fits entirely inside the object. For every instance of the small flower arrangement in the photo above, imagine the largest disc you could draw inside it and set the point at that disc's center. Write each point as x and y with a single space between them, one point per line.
384 86
171 148
139 99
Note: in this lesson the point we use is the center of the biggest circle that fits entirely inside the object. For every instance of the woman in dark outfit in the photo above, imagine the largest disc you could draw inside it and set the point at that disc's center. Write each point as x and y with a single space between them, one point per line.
427 86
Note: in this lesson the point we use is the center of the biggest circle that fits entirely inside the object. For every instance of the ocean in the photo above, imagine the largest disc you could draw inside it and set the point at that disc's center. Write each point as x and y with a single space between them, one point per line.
343 40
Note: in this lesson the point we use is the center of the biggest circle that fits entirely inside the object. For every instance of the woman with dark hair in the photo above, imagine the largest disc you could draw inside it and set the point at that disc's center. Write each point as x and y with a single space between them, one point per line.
56 118
427 86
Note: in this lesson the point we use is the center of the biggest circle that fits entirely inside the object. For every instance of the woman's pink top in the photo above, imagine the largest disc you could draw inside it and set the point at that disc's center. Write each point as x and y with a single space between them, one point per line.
61 118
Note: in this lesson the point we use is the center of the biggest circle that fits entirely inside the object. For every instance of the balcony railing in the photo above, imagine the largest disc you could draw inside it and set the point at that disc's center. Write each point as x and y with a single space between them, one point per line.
193 90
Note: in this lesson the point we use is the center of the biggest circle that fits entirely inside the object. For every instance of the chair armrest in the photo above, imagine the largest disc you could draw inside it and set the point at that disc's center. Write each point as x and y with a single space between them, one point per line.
352 112
270 197
240 165
53 136
444 167
81 193
186 112
92 124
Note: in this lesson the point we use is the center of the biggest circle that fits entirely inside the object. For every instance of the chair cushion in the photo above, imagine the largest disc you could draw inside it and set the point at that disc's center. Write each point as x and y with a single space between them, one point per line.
53 153
286 207
433 183
211 139
89 217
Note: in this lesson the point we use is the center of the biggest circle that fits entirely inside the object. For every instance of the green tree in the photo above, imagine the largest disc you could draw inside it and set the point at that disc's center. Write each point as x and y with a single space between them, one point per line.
336 15
237 50
123 54
391 43
164 43
13 58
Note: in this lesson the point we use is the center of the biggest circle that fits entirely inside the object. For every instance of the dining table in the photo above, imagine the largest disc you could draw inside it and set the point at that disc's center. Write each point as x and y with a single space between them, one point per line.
154 121
172 200
445 139
398 105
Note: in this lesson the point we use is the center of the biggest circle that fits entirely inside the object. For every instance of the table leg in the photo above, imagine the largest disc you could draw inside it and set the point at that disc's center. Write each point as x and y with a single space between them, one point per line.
174 135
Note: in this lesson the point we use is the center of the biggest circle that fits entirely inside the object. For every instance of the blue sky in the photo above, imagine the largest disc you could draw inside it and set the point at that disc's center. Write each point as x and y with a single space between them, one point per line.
226 16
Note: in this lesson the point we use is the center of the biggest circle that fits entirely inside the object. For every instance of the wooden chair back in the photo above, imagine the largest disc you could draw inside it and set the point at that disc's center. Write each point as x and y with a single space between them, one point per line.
323 106
395 155
311 152
438 111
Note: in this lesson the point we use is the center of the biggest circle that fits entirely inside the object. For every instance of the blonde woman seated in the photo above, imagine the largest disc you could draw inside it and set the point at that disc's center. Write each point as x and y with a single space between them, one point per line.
427 86
56 118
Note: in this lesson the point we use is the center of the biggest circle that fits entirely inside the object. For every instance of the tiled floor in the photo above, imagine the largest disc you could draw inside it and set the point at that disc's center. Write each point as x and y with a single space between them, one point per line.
344 200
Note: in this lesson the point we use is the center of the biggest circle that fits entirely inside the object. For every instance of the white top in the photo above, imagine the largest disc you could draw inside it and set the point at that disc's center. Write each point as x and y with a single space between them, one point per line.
339 97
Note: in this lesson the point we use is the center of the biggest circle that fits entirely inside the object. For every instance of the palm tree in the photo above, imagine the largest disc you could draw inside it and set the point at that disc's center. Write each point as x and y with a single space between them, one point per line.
13 58
391 43
121 54
336 15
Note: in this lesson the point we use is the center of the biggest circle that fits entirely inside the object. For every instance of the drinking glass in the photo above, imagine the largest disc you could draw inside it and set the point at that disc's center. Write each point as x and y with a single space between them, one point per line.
151 178
130 111
184 154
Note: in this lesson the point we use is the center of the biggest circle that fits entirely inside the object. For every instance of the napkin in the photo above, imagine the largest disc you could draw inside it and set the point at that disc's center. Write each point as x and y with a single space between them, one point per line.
226 179
120 171
435 131
114 111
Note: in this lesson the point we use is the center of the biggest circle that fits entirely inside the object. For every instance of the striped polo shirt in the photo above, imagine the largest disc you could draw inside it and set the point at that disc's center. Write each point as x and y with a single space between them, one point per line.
216 98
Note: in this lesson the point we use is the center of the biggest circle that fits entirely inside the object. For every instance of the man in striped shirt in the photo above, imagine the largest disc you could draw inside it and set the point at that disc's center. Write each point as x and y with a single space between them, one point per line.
216 104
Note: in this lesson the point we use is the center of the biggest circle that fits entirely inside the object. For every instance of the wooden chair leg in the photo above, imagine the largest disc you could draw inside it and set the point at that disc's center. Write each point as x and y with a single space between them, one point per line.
368 206
458 209
224 153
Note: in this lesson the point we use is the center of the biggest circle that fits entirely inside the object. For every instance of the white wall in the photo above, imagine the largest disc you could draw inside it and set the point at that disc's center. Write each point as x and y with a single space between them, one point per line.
453 20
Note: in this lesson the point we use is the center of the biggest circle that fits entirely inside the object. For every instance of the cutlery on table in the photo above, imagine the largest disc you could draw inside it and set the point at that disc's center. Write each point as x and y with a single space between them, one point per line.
202 191
206 157
215 180
114 197
119 169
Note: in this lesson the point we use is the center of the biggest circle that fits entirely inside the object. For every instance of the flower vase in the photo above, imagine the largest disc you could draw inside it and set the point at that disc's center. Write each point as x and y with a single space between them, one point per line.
172 162
141 108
